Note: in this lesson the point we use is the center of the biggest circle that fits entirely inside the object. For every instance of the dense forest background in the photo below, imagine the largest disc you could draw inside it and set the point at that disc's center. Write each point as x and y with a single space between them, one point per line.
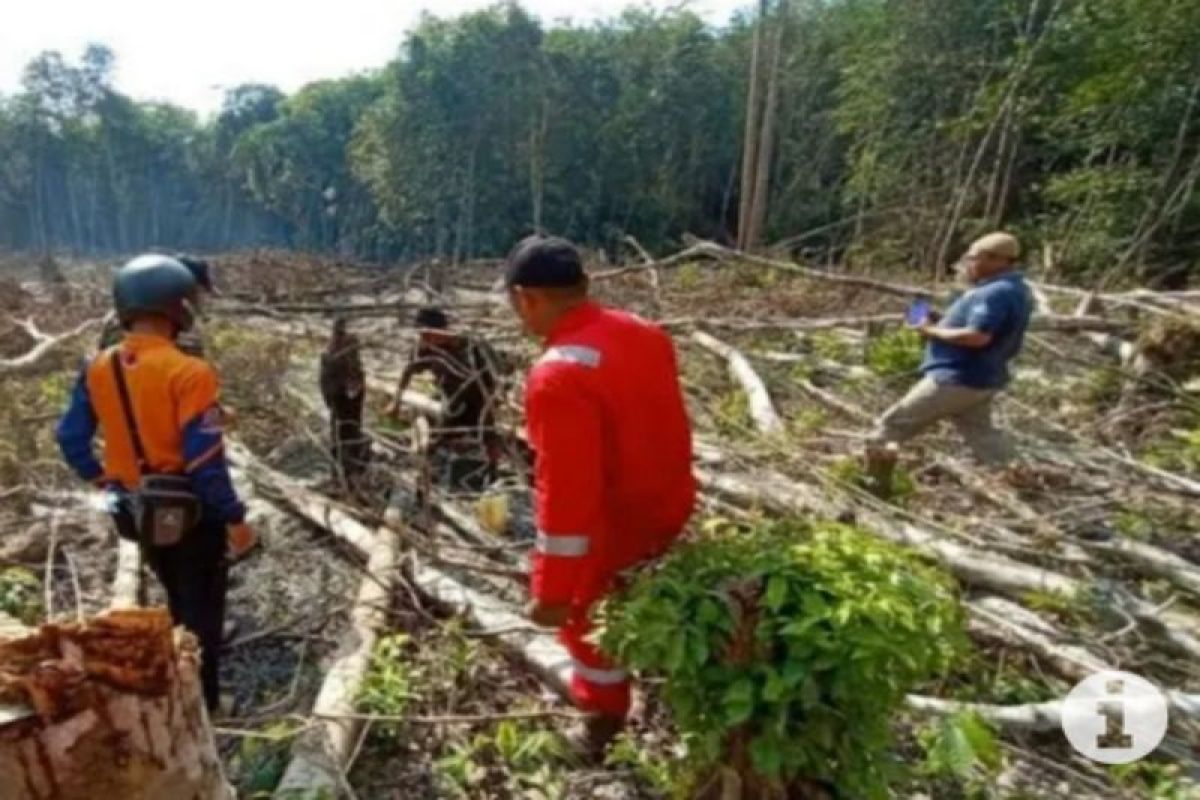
898 129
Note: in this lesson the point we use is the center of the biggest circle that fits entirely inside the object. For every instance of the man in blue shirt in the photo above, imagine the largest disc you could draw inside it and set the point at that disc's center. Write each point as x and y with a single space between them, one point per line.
966 360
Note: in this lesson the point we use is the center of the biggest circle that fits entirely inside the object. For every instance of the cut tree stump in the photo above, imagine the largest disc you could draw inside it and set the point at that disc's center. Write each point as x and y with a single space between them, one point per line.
112 710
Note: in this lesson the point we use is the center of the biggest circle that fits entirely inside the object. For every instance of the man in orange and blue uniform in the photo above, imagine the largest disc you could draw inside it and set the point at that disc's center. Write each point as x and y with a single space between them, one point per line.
613 461
174 402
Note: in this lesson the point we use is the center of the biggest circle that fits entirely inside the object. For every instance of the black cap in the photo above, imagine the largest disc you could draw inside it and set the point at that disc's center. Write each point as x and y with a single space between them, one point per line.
432 318
545 263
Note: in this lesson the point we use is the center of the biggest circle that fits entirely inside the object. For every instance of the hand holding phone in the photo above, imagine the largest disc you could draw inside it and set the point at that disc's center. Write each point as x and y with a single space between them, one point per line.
919 313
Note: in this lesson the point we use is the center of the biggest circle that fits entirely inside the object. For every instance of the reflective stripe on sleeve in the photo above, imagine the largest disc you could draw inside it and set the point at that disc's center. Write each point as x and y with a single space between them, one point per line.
574 354
567 546
599 677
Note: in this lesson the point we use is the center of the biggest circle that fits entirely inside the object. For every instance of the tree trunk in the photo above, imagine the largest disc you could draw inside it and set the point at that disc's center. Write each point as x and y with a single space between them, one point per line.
750 136
112 710
766 142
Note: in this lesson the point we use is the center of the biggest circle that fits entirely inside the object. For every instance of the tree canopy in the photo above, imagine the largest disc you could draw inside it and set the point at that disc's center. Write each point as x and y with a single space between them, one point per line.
902 130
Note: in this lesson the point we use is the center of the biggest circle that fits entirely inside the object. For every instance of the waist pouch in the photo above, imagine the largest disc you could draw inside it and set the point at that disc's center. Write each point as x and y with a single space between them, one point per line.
165 509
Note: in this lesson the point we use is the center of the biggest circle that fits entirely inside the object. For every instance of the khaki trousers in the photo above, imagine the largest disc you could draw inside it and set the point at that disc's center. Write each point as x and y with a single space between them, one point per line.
930 402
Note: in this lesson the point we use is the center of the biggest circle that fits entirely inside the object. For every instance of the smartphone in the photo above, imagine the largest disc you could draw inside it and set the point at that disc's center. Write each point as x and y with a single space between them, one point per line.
918 312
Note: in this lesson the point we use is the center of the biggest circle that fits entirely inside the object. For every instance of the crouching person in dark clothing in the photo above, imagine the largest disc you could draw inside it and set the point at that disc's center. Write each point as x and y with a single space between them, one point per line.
164 460
466 371
342 388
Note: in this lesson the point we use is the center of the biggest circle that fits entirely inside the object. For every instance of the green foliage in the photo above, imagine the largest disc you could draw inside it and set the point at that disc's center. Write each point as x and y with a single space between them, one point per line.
259 762
1102 387
830 346
20 594
388 688
659 773
803 636
689 276
851 472
733 413
895 353
962 746
532 759
54 389
1179 451
1155 781
809 421
1069 608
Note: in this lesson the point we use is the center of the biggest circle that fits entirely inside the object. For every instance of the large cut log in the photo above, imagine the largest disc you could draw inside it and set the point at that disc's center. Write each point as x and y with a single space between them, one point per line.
762 410
113 711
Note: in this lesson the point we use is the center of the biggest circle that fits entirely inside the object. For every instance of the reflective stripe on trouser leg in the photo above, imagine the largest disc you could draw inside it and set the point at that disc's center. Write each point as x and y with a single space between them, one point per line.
597 685
568 546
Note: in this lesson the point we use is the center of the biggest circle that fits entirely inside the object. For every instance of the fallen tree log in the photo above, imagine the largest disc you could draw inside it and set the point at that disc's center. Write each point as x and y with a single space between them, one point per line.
762 410
690 254
1041 322
720 253
320 755
1004 621
45 346
1032 717
1151 560
115 712
541 652
346 309
971 565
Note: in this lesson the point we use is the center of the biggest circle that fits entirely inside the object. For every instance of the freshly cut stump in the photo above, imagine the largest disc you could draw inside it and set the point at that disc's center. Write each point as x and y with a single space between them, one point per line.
109 708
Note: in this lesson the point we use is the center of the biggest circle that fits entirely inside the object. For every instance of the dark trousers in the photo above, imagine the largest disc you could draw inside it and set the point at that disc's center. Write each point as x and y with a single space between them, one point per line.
194 574
350 446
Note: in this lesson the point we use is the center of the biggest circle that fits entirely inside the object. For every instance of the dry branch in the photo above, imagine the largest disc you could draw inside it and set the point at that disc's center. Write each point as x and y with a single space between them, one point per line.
1152 560
46 345
762 410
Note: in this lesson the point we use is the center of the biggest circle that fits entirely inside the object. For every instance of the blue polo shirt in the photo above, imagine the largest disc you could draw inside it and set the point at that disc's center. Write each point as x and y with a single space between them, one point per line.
1000 306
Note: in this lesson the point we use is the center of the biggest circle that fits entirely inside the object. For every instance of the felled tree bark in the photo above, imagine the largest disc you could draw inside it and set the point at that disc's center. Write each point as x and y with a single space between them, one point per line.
109 708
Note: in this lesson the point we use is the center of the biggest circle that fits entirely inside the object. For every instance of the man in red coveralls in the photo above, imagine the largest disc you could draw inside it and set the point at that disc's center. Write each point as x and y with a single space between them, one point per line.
613 460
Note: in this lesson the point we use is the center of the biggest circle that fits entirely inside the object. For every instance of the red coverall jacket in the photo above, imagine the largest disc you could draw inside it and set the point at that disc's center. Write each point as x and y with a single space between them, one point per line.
613 473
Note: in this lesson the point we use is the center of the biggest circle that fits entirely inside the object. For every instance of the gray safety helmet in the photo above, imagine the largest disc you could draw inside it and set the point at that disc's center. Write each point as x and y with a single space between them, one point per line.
155 285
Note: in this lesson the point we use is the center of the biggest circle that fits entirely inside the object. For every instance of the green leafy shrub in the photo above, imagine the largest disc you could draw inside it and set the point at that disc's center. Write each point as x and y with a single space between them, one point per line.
527 760
961 746
787 648
829 345
895 353
900 489
1178 452
388 687
20 595
259 762
1154 780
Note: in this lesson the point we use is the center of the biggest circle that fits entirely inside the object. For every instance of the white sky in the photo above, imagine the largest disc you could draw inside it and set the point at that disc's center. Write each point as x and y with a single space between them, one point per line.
189 52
